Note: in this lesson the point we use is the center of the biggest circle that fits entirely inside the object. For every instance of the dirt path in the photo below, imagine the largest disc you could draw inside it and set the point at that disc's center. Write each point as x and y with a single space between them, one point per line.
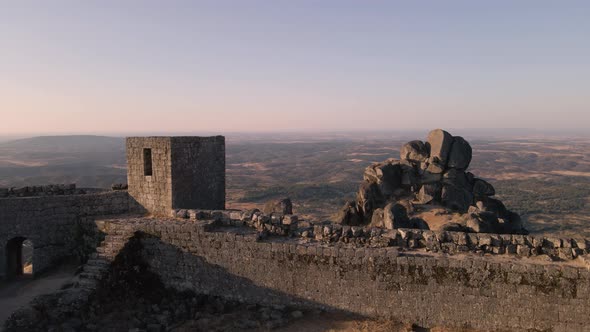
18 293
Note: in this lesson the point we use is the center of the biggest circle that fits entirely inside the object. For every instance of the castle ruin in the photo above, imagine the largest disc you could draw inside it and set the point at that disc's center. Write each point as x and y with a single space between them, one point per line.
174 212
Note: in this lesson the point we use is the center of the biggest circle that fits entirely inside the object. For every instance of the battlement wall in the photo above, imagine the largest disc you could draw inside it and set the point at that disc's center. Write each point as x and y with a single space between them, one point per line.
431 289
552 248
54 223
45 190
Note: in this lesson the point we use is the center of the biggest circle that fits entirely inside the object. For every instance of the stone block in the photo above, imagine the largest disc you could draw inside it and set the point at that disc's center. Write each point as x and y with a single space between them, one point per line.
290 219
565 253
579 243
484 240
236 215
523 250
551 243
460 238
496 241
511 249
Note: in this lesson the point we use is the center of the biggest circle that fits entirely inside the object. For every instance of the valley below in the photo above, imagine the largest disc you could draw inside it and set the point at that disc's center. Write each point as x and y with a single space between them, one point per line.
546 180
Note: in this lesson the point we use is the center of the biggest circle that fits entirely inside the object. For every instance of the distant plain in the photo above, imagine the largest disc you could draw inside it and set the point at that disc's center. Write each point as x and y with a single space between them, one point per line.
545 178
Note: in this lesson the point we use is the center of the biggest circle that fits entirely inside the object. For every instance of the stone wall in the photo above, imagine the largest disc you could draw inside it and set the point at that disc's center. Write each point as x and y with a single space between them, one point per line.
45 190
55 224
153 192
198 172
430 289
434 241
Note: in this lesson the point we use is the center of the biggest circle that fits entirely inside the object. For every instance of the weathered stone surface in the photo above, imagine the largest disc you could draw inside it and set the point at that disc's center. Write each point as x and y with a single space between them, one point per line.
435 166
512 224
386 175
460 154
55 225
428 177
195 180
419 223
395 215
409 176
46 190
377 218
369 197
454 227
415 151
428 193
349 215
439 143
457 178
290 219
386 276
456 193
456 198
483 222
493 205
283 206
482 188
433 174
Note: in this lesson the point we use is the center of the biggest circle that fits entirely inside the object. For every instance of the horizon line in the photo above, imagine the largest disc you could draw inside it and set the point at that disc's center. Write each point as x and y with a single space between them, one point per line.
472 131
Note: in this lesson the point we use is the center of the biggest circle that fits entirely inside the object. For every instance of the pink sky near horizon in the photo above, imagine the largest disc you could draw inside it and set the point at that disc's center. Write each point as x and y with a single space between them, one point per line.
222 66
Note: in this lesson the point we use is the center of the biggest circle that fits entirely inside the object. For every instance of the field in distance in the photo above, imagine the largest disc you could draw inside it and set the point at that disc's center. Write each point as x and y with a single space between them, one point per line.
546 179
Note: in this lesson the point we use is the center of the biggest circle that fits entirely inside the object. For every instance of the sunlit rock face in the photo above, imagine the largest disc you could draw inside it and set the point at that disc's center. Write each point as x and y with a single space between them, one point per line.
429 187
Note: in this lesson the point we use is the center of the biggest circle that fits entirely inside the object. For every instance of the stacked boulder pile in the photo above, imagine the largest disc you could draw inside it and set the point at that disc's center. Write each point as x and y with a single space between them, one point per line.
429 175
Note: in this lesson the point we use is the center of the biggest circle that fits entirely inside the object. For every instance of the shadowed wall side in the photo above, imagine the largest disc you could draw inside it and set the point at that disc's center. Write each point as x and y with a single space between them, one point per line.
484 293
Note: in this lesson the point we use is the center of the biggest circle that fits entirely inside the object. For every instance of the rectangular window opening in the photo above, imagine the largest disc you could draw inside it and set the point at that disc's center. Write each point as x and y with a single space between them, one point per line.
147 162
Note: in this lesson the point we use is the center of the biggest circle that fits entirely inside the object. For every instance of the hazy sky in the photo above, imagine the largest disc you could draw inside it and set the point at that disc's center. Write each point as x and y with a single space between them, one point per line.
131 66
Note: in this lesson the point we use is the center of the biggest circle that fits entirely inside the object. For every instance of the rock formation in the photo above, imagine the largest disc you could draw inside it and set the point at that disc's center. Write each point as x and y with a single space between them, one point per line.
282 206
429 188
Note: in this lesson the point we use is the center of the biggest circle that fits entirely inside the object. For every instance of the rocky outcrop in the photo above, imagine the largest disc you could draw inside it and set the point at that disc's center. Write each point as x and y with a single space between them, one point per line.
415 151
396 193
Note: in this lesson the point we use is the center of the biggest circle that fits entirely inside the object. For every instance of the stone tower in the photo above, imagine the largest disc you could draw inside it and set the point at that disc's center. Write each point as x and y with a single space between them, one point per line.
166 173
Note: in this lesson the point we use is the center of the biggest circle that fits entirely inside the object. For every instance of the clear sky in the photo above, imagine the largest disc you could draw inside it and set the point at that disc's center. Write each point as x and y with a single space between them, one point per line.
289 65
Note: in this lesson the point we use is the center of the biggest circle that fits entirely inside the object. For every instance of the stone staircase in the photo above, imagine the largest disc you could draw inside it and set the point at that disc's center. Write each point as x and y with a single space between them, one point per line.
97 266
66 302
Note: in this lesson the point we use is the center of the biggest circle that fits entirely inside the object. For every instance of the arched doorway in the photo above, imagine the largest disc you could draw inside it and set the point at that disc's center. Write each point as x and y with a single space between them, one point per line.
19 257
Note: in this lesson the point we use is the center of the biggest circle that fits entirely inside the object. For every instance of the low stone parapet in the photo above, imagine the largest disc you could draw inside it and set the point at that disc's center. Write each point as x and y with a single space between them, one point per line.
435 241
46 190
